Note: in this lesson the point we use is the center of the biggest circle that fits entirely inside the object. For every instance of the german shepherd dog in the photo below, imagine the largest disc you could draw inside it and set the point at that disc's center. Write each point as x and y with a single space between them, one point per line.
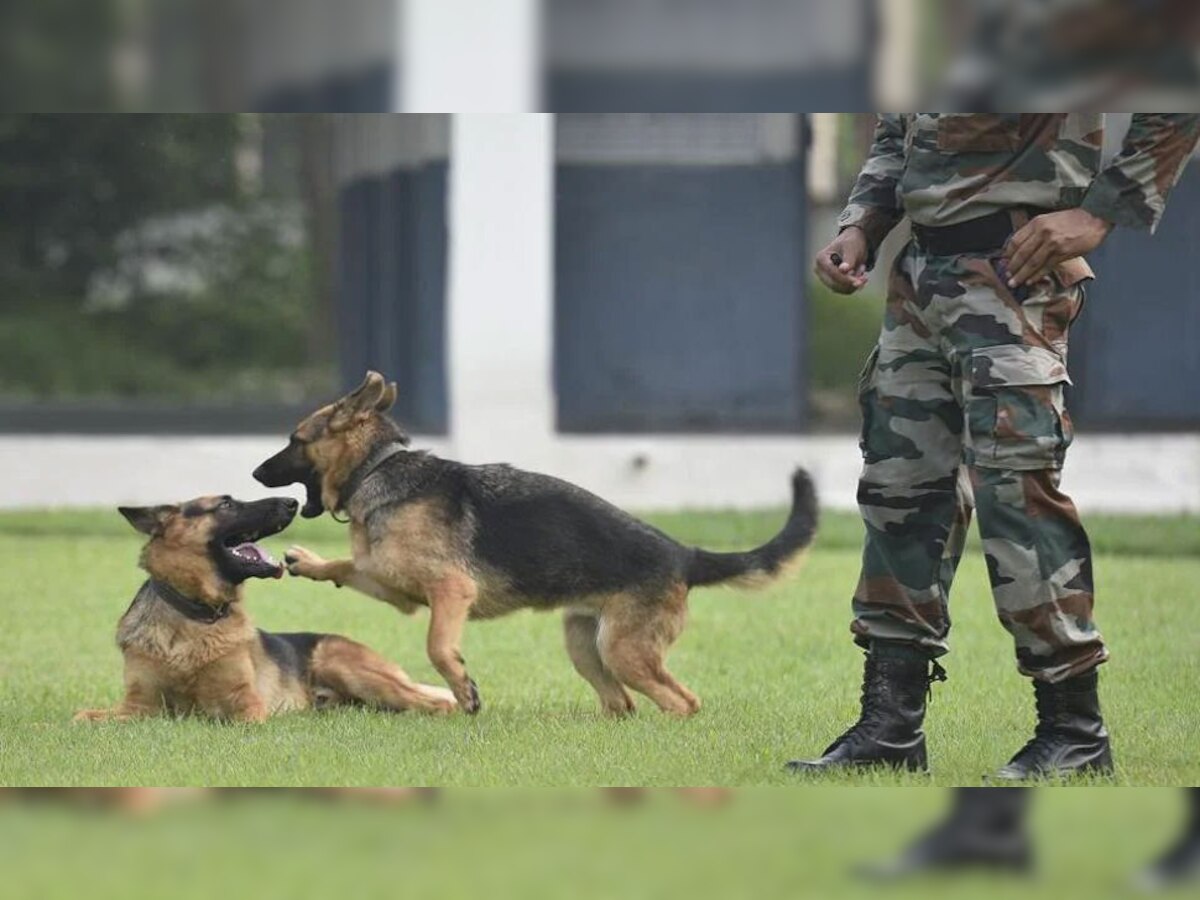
475 542
190 646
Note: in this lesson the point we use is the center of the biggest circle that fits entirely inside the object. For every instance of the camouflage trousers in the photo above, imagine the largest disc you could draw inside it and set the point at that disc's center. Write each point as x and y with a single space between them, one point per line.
962 404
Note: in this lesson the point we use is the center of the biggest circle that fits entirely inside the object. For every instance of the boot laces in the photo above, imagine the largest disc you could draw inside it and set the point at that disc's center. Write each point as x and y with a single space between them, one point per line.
1040 747
876 699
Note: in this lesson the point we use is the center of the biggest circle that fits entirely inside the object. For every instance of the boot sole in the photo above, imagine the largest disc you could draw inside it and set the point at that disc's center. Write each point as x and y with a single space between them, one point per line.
810 767
1105 771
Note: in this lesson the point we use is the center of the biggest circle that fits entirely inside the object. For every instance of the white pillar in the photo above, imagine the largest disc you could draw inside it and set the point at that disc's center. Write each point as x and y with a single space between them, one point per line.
501 293
897 67
469 56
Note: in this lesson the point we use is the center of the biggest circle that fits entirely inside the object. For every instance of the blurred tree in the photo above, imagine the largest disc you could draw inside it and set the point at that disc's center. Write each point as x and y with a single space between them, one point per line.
72 183
145 256
59 54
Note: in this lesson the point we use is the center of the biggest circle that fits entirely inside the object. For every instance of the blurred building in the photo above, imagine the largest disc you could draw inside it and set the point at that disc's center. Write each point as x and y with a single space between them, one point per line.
620 299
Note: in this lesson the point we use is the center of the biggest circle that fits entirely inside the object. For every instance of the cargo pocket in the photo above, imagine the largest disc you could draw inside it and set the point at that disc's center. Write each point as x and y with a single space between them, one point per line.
1016 413
866 382
1072 277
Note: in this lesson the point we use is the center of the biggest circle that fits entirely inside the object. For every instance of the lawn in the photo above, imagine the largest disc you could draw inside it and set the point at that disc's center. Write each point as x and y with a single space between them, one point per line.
532 844
776 671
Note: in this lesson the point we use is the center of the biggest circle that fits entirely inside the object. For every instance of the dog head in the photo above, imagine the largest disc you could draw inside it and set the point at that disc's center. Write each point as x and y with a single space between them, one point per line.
326 446
210 540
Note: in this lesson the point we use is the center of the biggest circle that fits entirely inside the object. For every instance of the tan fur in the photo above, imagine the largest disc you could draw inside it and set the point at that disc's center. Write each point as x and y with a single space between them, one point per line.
337 437
758 580
174 665
423 558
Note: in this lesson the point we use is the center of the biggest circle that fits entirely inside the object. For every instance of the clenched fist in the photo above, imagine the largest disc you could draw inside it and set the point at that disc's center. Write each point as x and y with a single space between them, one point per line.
850 274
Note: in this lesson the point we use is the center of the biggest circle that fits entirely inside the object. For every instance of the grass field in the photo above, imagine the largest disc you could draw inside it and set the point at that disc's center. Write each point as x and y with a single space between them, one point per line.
776 671
533 844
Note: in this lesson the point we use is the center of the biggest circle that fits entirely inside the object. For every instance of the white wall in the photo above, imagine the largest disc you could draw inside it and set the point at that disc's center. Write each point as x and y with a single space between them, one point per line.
638 472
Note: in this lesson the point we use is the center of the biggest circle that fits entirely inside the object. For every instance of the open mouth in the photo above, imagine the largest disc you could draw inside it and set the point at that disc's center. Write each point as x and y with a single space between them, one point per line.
313 505
252 556
249 558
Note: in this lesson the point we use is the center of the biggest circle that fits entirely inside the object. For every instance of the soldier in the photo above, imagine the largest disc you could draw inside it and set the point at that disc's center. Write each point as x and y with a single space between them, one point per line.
962 405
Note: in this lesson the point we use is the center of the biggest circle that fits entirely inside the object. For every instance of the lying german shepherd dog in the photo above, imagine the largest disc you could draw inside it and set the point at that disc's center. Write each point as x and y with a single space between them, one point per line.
475 542
190 646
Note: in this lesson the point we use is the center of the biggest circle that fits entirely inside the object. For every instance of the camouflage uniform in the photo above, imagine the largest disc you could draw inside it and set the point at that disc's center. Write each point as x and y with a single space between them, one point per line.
966 383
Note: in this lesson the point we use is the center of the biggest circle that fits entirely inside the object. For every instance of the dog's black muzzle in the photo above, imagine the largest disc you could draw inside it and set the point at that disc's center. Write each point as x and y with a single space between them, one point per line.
291 466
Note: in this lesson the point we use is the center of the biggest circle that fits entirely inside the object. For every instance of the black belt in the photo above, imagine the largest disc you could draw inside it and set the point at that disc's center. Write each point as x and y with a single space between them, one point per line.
982 235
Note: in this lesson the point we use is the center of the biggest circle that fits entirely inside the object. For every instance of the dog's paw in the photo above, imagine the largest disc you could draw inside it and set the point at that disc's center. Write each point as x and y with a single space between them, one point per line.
303 563
91 715
471 703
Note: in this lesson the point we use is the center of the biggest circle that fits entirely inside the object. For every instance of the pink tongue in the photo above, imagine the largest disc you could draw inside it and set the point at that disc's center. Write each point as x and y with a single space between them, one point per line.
253 552
249 551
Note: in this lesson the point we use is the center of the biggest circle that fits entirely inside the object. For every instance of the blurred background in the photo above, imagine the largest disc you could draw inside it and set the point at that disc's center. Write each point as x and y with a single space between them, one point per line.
609 297
596 55
542 844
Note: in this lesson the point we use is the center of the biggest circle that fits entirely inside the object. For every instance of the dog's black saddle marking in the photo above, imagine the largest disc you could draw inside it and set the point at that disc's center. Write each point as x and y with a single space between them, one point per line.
291 652
192 609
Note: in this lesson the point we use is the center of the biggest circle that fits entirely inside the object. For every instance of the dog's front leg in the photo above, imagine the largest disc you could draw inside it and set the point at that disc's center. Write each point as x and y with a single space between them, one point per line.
307 564
246 705
450 602
225 689
123 712
141 699
344 573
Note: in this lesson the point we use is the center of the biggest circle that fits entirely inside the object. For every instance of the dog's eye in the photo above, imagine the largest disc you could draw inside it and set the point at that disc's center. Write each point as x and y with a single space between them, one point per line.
225 504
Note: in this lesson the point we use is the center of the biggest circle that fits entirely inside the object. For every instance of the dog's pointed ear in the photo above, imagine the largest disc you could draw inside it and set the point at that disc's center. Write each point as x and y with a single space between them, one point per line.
361 400
148 519
388 399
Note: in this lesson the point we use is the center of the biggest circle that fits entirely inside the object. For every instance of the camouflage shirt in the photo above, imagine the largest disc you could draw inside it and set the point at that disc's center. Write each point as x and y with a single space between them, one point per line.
949 168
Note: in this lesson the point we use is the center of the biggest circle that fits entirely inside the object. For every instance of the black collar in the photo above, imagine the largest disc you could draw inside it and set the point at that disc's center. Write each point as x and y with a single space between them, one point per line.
374 460
187 607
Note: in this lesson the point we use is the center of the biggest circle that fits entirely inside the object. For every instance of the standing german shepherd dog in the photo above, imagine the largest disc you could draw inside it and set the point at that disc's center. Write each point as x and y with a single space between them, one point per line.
190 646
475 542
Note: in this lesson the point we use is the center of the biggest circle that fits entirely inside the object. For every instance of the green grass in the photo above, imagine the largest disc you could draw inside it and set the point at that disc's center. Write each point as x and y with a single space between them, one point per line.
776 671
549 844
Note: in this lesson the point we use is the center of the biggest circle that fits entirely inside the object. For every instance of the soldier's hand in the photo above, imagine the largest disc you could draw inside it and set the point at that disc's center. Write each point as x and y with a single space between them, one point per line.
1049 239
848 272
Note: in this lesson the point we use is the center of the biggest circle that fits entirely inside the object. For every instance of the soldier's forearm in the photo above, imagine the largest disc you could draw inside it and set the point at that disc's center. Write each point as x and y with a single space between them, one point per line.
1132 190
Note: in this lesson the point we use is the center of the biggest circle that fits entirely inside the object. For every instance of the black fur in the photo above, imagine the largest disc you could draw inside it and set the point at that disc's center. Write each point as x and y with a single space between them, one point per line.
554 541
706 567
291 652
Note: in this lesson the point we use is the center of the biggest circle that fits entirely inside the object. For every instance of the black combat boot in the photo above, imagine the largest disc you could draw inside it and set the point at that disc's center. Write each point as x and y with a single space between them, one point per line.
1181 863
986 829
896 680
1070 736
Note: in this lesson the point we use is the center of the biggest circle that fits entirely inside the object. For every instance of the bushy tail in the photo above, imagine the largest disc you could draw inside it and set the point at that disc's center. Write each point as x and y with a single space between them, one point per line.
758 567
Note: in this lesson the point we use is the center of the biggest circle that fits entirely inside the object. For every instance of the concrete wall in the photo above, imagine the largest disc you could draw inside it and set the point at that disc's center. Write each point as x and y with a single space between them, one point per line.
636 472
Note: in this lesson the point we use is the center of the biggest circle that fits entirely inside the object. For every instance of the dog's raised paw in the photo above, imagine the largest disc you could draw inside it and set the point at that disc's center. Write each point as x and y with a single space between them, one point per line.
300 561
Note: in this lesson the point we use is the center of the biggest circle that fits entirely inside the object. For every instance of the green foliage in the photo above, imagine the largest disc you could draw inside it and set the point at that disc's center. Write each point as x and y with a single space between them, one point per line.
841 332
71 184
58 54
134 265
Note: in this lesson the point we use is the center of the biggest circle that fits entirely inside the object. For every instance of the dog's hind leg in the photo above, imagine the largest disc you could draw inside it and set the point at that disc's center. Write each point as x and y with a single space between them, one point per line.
634 637
581 632
450 602
355 672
